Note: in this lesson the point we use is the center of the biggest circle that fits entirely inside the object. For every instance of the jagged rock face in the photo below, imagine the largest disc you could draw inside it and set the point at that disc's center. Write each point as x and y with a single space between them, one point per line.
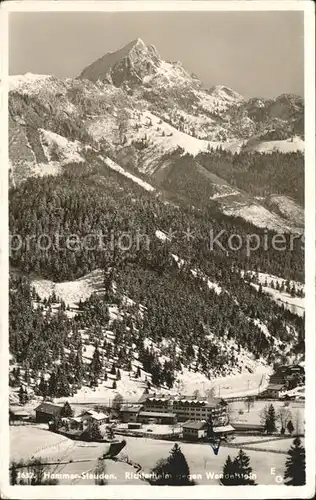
127 65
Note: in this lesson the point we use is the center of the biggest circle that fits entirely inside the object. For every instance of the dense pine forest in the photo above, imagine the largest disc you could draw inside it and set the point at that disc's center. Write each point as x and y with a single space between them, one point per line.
259 174
213 330
100 202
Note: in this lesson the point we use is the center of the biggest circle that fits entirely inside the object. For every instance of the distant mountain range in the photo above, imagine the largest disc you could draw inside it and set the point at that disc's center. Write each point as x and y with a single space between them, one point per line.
145 114
137 146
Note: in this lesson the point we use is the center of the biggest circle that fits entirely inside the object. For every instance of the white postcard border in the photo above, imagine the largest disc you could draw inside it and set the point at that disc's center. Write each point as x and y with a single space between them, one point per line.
156 492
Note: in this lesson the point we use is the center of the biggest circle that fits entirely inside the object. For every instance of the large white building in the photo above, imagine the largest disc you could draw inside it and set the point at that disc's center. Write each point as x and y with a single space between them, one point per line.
189 408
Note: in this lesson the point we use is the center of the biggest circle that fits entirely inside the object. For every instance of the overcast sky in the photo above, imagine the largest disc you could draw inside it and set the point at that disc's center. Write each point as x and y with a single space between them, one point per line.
255 53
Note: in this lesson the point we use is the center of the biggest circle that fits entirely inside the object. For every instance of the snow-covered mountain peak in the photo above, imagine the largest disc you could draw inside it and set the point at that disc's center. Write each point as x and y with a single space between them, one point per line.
226 94
130 64
27 82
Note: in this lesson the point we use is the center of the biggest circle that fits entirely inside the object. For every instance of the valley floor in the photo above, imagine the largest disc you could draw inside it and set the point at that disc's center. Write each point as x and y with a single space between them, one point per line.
81 457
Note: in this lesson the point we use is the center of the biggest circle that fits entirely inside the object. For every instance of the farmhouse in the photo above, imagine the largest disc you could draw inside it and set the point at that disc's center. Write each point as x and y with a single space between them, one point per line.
46 412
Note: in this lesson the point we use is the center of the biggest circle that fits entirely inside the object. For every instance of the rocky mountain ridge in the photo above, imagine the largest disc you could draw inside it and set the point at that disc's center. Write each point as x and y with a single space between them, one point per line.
145 114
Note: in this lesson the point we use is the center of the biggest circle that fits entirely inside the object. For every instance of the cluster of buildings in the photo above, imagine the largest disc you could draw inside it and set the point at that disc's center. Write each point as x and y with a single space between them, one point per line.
195 415
284 378
167 409
74 426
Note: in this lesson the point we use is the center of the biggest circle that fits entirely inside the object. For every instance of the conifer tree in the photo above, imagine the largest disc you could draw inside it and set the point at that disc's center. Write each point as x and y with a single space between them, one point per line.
229 473
174 471
66 410
295 466
42 387
270 426
290 426
243 469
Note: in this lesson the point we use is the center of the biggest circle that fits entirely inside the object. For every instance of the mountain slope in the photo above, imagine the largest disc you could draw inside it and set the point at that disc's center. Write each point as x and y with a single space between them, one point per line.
146 115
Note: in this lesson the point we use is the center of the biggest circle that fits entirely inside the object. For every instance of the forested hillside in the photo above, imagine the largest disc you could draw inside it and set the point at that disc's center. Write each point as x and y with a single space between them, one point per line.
172 280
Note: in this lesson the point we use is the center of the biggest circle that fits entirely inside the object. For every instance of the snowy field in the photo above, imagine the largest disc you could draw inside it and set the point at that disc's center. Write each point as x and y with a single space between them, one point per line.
253 416
201 459
33 442
71 292
145 451
260 217
28 441
245 439
277 444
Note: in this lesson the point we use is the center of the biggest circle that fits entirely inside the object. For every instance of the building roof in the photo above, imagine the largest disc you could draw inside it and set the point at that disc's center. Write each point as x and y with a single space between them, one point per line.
49 408
154 414
245 425
131 409
76 419
223 428
20 413
275 387
95 415
193 424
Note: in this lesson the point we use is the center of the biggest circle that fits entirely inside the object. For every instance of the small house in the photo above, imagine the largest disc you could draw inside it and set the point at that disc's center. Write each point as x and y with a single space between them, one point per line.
194 430
18 415
46 412
223 431
129 413
75 423
273 391
94 416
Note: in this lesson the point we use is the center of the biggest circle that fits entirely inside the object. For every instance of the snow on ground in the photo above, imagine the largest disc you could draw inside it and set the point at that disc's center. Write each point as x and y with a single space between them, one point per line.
66 150
201 459
226 94
71 292
213 286
294 304
285 146
259 216
29 83
161 235
276 444
270 277
278 345
245 439
224 194
43 169
25 442
120 170
153 428
240 384
130 388
162 138
53 447
239 412
297 391
287 207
